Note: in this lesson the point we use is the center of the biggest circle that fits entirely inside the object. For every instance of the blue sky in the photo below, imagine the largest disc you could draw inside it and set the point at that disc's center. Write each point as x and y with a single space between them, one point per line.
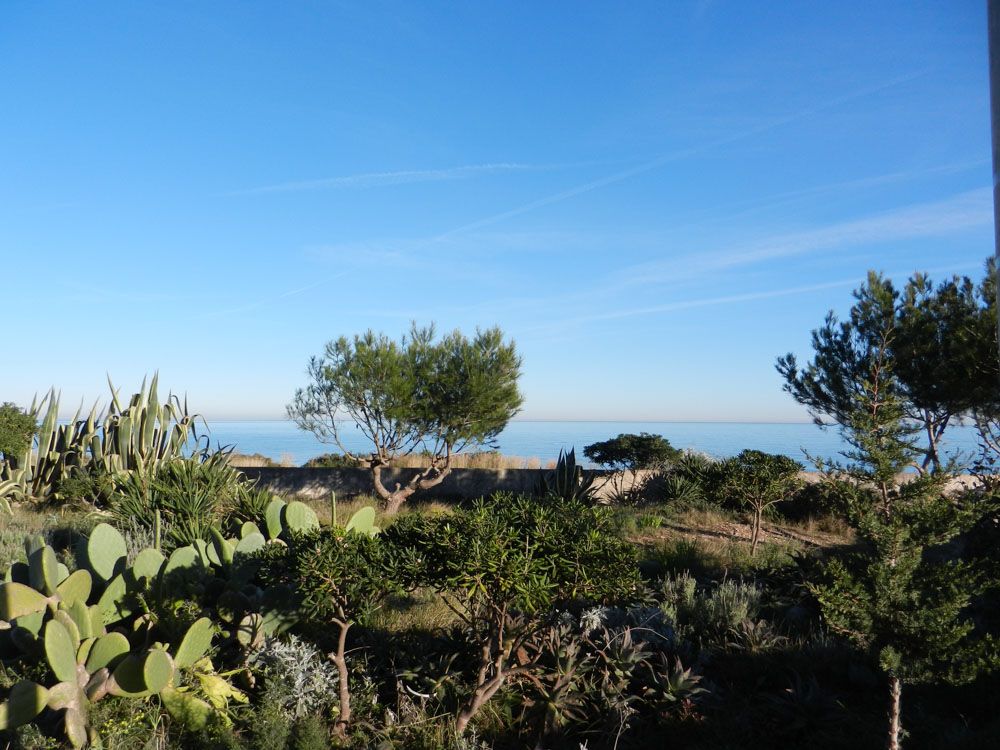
653 199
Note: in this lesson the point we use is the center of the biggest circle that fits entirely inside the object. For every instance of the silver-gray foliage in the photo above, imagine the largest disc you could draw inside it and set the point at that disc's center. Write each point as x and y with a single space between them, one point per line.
297 675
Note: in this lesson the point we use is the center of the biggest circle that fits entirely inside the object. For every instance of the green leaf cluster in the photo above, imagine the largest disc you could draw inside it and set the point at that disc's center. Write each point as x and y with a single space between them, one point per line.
17 427
943 354
631 452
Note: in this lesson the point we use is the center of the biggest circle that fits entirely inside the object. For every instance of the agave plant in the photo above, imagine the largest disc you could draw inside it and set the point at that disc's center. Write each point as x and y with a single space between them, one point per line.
58 450
567 480
139 436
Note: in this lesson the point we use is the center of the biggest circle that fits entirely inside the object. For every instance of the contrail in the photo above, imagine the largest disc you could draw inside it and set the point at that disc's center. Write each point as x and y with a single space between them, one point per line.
676 156
594 184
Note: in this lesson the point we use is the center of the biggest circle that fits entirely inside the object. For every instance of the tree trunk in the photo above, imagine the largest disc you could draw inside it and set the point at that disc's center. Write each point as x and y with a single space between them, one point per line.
895 693
392 500
755 534
483 693
344 688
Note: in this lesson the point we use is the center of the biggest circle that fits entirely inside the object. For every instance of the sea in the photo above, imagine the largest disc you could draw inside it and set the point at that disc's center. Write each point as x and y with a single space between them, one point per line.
283 441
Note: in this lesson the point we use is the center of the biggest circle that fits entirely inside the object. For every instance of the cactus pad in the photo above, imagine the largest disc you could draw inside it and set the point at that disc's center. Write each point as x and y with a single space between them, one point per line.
106 650
106 551
17 600
148 563
299 517
75 588
195 643
272 517
63 617
112 601
251 543
25 702
363 522
157 670
182 558
43 570
60 651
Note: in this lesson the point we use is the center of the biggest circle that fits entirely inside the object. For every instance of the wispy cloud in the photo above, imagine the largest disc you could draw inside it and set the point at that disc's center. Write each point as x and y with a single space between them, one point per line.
964 211
401 177
730 299
679 154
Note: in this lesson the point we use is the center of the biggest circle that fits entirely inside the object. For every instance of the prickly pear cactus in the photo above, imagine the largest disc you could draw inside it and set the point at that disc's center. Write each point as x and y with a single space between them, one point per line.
46 609
363 522
89 668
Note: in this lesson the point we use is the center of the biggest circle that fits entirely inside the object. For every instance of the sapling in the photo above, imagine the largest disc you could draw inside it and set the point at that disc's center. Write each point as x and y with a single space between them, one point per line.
903 598
758 481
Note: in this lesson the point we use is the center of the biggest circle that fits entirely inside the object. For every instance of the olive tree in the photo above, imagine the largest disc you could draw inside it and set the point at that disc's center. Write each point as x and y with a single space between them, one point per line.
421 394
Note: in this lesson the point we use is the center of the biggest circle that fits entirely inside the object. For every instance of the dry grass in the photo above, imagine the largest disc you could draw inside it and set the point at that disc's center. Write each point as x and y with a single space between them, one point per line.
418 610
346 507
715 540
252 460
479 460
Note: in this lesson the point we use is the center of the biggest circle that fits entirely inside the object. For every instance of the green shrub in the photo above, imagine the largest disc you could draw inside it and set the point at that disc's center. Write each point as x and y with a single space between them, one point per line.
191 496
332 461
270 725
708 616
298 678
703 472
758 481
16 430
310 733
681 491
341 579
506 567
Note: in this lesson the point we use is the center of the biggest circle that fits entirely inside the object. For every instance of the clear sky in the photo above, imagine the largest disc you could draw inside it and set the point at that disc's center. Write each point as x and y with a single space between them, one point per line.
653 199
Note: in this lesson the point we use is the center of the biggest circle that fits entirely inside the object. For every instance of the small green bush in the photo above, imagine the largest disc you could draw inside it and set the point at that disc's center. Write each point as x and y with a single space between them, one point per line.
507 567
708 616
310 733
191 496
16 430
331 461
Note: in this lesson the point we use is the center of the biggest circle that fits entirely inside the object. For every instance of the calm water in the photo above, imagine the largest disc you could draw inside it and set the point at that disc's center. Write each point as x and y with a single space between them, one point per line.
544 439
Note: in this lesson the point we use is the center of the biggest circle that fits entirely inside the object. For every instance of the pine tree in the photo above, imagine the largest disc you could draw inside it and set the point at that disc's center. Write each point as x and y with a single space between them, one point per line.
903 600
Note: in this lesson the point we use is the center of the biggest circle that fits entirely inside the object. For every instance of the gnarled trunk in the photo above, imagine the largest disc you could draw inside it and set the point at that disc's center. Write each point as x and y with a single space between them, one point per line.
392 500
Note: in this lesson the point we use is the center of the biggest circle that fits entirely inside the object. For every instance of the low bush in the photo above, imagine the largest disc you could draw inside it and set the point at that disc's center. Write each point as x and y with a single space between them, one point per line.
189 496
507 567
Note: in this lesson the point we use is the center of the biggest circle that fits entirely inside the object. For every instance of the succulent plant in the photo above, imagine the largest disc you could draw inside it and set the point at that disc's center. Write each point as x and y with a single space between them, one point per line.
90 663
138 436
363 522
567 480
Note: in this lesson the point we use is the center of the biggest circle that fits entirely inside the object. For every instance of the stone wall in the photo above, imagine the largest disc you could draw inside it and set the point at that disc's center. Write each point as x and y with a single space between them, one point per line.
459 484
